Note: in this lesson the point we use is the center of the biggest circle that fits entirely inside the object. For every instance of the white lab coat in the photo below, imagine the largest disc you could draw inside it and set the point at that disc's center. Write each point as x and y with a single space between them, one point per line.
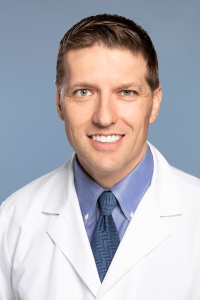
45 253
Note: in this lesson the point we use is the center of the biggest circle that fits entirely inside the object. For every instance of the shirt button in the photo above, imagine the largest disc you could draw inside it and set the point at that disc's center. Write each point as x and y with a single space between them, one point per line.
131 215
86 217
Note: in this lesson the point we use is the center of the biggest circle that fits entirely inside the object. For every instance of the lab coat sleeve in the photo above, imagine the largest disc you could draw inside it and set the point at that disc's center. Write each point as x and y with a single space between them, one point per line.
6 292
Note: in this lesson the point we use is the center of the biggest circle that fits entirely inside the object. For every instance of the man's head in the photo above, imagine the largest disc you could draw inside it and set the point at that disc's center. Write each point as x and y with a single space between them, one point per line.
107 95
112 31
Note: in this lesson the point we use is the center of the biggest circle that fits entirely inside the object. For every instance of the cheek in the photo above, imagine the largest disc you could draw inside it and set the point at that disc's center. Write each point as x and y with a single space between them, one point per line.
76 118
135 115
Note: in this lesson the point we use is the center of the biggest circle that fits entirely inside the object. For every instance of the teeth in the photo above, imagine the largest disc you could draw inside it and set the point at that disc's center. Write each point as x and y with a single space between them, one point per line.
112 138
103 139
109 139
106 139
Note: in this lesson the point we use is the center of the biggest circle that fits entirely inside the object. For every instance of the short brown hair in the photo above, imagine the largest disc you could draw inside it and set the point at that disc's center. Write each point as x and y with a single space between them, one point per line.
113 31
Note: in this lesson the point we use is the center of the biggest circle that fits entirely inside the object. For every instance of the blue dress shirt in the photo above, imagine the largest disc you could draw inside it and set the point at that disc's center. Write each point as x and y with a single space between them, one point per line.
129 191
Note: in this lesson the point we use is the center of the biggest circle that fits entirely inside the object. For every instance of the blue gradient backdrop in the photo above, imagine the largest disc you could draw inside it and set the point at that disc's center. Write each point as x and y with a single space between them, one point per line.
33 139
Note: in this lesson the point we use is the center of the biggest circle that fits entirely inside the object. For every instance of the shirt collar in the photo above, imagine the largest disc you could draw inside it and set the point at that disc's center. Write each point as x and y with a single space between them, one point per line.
129 191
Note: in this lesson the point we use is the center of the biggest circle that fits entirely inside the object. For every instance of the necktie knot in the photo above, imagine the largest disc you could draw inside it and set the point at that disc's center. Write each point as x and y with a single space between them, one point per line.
107 203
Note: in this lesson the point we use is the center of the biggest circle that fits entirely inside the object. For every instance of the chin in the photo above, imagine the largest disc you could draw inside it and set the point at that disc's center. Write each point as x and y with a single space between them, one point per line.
106 166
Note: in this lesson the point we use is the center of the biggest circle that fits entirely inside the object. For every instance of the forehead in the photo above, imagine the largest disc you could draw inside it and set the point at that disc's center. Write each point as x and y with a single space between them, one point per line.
99 62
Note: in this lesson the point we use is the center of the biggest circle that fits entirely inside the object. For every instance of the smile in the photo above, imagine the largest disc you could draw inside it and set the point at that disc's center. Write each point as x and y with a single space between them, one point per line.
106 139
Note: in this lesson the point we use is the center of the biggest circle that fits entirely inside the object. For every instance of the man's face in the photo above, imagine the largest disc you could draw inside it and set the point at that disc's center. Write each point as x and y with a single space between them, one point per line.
107 106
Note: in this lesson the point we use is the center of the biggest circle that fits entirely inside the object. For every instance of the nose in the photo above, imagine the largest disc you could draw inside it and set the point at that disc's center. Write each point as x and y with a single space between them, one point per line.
105 113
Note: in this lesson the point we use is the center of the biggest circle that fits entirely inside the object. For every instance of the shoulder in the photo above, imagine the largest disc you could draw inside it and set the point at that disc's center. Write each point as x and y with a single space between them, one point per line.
173 185
186 179
34 195
189 189
165 170
30 197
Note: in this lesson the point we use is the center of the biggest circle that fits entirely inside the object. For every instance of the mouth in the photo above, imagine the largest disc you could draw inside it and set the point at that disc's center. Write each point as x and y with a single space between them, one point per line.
106 138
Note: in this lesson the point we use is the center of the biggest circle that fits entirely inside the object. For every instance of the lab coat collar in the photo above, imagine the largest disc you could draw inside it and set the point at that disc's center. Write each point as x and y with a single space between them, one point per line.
164 186
61 189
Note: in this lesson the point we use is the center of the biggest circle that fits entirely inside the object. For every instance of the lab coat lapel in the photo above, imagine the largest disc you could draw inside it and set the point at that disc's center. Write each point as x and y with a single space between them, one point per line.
68 231
146 230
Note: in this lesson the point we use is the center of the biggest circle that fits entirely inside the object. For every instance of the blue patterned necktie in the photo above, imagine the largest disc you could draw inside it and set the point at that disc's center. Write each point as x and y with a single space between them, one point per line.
105 238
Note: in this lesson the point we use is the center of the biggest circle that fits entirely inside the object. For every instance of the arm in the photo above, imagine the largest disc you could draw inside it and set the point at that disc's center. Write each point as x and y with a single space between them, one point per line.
6 292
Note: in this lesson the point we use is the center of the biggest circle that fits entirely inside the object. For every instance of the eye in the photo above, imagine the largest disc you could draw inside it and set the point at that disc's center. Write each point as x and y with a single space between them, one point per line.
127 93
83 93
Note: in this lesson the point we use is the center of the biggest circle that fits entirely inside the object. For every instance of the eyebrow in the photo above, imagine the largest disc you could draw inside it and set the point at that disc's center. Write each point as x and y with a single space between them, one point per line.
129 85
92 85
83 85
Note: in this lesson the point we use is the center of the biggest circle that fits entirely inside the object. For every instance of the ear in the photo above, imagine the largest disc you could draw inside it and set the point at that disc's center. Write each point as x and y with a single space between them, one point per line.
157 97
58 105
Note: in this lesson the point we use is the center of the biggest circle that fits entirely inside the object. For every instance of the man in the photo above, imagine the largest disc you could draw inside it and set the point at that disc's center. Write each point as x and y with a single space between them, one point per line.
116 221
